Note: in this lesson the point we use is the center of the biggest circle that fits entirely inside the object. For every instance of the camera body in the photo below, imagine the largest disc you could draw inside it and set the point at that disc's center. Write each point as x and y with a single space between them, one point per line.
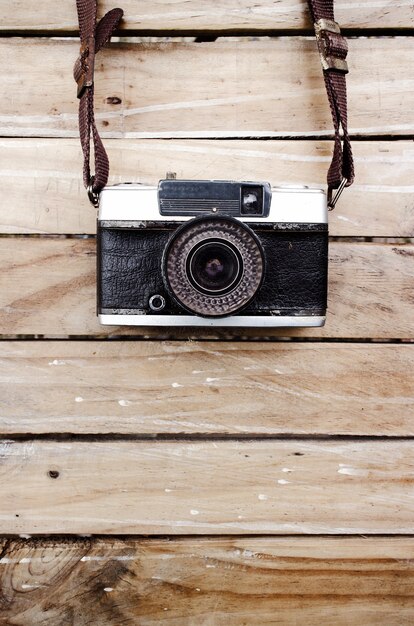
212 253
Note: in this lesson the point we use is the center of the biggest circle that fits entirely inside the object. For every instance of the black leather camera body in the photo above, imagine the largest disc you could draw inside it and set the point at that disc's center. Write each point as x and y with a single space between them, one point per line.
212 253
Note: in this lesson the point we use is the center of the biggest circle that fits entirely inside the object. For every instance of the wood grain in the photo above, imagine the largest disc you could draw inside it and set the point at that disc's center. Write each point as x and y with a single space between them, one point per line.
47 287
164 106
42 189
209 582
198 387
217 487
198 15
271 88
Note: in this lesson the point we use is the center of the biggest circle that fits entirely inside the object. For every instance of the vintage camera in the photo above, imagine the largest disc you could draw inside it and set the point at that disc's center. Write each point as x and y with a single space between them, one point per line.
212 253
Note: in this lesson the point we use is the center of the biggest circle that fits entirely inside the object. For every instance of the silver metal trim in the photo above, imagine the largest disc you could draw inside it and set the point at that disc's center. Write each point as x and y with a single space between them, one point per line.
280 226
124 223
139 203
151 304
329 25
329 62
333 200
243 321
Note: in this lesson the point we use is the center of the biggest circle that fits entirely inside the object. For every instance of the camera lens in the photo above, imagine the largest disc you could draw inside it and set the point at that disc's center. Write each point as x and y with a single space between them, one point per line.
213 266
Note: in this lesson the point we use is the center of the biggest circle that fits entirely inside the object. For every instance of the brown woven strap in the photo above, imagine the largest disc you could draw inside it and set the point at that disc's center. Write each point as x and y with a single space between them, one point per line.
93 37
333 50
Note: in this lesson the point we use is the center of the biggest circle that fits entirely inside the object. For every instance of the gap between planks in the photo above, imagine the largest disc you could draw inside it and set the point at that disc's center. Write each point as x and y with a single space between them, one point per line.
206 36
70 437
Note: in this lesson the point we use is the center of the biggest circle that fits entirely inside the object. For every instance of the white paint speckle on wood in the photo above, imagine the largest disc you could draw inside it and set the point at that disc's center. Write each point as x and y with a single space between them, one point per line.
176 385
124 402
122 557
194 512
78 399
346 219
262 496
348 470
282 481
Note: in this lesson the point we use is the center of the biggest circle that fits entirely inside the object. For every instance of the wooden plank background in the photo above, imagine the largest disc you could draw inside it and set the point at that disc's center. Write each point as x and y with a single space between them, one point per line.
195 15
232 445
231 388
228 88
48 288
49 196
209 581
207 487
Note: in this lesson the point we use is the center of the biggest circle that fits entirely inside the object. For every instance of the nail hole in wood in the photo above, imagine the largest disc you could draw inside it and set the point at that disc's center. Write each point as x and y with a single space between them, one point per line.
114 100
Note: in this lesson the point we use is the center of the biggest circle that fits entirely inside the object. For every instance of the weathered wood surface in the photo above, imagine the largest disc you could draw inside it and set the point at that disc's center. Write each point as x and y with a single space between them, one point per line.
207 487
303 483
42 191
198 15
47 287
224 89
209 582
210 388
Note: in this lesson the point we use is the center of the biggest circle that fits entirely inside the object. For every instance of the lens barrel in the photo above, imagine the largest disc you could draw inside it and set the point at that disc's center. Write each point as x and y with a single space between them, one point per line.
213 266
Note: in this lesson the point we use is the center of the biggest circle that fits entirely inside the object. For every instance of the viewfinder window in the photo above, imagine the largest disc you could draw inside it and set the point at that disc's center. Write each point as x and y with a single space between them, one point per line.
251 200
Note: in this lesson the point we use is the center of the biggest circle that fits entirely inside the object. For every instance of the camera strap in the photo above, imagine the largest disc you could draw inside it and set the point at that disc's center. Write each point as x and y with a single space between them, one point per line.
333 50
93 37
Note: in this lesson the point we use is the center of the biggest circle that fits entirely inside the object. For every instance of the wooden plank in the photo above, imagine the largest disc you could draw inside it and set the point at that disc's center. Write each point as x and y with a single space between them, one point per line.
47 287
210 581
231 487
196 15
271 88
245 388
41 178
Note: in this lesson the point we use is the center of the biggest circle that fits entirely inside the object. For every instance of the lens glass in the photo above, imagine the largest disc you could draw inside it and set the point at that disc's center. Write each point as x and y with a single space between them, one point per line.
214 267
